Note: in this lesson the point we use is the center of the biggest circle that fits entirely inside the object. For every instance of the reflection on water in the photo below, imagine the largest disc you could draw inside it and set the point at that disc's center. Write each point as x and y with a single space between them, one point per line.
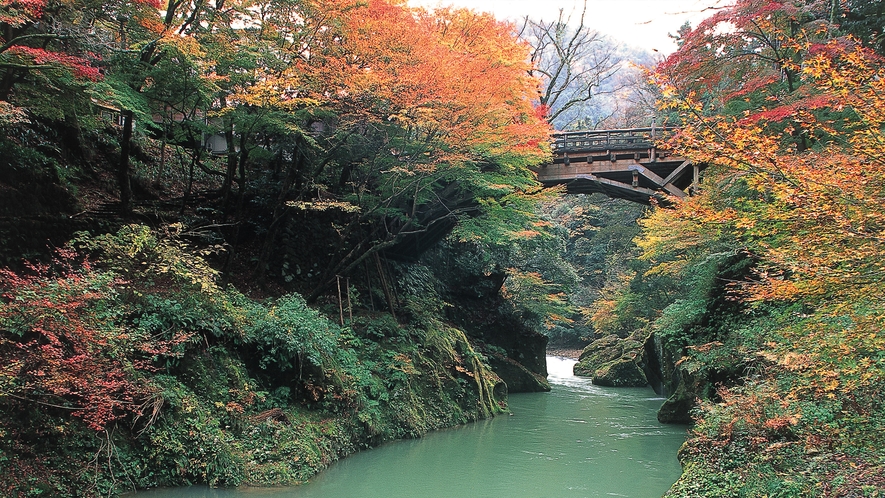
579 440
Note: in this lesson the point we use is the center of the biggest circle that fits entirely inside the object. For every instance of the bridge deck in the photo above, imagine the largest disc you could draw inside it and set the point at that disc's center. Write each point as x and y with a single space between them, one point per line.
620 163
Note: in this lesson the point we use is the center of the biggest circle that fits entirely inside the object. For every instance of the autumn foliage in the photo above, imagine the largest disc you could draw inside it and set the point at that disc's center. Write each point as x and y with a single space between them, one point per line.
21 47
790 120
813 215
64 346
303 144
452 76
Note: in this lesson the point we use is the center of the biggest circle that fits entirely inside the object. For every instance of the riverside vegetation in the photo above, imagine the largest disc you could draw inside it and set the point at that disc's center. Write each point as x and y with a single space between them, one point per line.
245 238
216 220
143 372
761 294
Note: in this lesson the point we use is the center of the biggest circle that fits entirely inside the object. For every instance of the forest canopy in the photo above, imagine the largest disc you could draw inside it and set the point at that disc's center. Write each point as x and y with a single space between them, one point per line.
217 219
315 222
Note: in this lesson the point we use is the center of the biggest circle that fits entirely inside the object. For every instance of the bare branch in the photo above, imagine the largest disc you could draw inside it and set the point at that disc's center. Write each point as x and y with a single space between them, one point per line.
574 62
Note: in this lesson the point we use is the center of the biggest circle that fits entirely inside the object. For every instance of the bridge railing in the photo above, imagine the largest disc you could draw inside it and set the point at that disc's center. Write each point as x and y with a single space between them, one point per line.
606 140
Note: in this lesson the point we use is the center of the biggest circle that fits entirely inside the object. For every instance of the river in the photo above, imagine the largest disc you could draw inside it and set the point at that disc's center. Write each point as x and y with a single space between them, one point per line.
579 440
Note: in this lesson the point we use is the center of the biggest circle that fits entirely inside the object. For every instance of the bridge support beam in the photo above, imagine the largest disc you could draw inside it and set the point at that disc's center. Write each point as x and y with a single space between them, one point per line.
678 172
613 188
661 182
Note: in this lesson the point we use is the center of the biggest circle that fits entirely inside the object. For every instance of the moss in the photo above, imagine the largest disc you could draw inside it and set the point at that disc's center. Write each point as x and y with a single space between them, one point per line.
252 393
677 408
623 372
613 361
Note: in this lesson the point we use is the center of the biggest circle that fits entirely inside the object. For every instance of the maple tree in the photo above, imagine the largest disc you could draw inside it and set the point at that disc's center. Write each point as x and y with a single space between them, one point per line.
744 54
794 185
44 39
64 347
429 75
425 112
412 103
54 56
33 56
829 192
814 218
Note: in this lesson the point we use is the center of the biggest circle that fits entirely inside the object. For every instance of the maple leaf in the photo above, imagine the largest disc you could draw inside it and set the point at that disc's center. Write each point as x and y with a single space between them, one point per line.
42 57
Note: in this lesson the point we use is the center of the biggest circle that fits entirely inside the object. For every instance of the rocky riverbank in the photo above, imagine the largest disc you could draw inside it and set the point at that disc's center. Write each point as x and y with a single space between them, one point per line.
573 354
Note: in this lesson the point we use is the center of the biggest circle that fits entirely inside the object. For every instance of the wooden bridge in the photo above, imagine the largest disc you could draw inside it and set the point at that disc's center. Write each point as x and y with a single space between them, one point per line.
619 163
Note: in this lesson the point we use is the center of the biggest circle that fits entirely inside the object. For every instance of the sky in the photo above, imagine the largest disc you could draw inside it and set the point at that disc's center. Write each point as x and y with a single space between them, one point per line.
640 23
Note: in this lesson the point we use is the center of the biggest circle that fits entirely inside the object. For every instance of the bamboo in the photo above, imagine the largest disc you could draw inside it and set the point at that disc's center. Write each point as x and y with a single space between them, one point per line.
340 303
349 304
384 286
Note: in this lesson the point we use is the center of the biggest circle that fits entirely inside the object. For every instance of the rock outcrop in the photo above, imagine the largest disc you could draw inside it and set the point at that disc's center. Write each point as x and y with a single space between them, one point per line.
517 353
614 361
518 378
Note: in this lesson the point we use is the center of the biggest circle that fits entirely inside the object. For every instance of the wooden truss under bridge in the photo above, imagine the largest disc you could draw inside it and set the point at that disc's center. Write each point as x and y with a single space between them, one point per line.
619 163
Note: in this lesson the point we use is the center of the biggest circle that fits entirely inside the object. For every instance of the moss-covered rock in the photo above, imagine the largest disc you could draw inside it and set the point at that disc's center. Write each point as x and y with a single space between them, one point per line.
677 409
516 352
623 372
600 351
613 361
517 377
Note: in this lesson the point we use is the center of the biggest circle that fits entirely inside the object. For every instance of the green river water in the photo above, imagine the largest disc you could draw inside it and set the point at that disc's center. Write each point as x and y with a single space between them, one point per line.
579 440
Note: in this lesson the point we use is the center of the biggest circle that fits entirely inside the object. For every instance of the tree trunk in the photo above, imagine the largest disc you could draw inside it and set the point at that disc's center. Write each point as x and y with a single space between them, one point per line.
385 286
123 172
231 163
278 212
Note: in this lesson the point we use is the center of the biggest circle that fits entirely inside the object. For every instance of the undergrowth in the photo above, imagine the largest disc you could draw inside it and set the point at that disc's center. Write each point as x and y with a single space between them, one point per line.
125 365
804 422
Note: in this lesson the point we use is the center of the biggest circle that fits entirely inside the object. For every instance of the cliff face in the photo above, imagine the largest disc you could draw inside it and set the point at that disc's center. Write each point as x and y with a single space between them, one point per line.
515 351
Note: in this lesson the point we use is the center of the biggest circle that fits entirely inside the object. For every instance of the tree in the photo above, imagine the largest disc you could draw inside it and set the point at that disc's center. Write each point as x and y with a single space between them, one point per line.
863 19
795 183
783 193
575 63
54 56
740 51
43 61
809 193
431 118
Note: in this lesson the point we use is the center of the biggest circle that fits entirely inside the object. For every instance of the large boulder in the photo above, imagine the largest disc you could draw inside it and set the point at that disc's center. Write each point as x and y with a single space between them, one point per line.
678 407
623 372
614 361
518 378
